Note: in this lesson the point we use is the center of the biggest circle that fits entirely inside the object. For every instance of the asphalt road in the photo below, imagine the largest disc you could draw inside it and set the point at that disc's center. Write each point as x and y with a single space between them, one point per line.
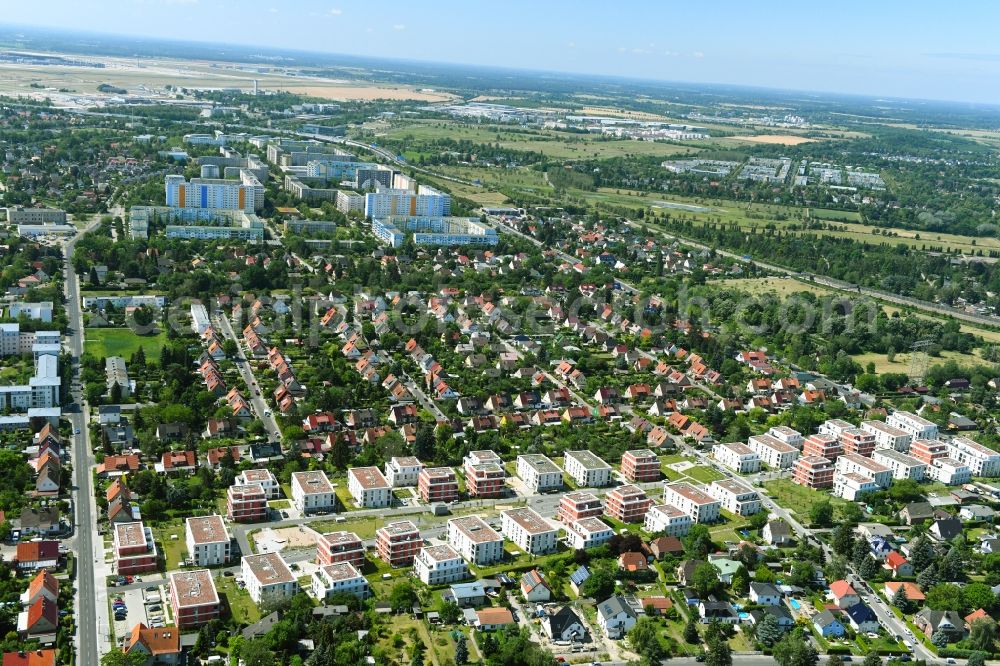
256 396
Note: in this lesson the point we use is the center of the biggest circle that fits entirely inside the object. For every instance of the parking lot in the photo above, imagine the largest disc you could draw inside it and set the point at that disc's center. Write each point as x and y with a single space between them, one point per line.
148 606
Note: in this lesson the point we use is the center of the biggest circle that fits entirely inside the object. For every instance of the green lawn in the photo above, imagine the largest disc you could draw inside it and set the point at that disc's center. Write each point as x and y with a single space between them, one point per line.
704 474
799 499
174 550
122 342
241 606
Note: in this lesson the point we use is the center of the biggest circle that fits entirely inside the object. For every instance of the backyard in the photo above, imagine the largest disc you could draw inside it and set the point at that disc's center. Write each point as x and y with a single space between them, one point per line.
102 342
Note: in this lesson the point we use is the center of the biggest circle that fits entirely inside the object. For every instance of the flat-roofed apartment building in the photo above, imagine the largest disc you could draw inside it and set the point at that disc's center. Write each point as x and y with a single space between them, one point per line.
628 504
903 466
950 472
263 477
437 484
928 450
476 541
813 472
737 456
403 471
852 486
982 460
528 530
268 579
484 474
834 427
312 492
246 503
208 541
539 473
340 547
773 452
702 507
440 565
787 435
668 519
586 469
858 441
398 542
588 533
853 463
134 548
887 437
193 598
823 446
337 577
369 488
579 504
916 426
736 496
641 466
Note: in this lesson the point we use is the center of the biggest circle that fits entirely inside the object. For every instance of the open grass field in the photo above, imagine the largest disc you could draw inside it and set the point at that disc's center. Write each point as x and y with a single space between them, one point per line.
799 499
703 474
122 342
241 606
901 362
781 287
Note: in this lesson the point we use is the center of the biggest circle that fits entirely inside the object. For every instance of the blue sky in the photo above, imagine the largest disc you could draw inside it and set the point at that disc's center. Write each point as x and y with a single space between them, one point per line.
914 49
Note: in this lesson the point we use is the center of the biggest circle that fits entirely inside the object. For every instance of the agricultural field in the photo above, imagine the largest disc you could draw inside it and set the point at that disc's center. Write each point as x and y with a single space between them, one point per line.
122 342
779 286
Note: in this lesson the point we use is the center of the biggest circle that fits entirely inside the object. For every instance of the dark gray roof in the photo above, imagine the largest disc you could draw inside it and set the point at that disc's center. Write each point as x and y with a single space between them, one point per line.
613 606
262 626
825 618
562 620
765 589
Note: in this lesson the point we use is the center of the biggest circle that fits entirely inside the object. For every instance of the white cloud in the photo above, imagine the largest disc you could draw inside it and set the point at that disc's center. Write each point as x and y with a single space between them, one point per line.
698 54
571 45
398 27
336 11
621 49
273 10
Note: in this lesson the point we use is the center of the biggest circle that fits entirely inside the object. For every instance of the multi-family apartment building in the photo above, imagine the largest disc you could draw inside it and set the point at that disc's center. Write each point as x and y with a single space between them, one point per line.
369 488
403 471
834 427
476 541
702 507
628 504
484 474
312 492
425 202
950 471
813 471
588 533
340 547
773 452
398 542
339 577
586 469
580 504
928 450
539 473
738 457
640 466
263 477
437 484
903 466
736 496
268 579
440 565
246 503
134 548
982 460
823 446
888 437
916 426
853 463
787 435
214 193
193 598
528 530
858 441
208 541
668 519
852 486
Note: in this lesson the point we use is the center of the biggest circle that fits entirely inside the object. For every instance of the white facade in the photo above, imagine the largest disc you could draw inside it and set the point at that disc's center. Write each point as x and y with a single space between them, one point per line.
888 437
982 461
702 507
787 435
852 485
212 193
440 565
526 528
587 470
476 541
950 472
199 318
588 532
773 452
369 487
403 471
261 477
339 577
388 202
268 578
208 541
852 463
312 492
668 519
903 466
736 497
539 473
738 457
915 426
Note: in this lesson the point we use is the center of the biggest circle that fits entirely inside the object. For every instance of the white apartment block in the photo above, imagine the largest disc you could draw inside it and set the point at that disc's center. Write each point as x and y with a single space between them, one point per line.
903 466
476 541
915 426
440 565
528 530
852 463
539 473
852 485
403 471
702 507
888 437
738 457
773 452
213 193
268 578
950 472
982 461
788 435
588 532
312 492
834 427
261 477
736 496
587 470
208 542
339 577
369 487
388 202
668 519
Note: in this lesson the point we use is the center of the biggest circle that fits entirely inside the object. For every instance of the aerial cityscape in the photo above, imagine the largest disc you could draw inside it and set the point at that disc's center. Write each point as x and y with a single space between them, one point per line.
341 351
